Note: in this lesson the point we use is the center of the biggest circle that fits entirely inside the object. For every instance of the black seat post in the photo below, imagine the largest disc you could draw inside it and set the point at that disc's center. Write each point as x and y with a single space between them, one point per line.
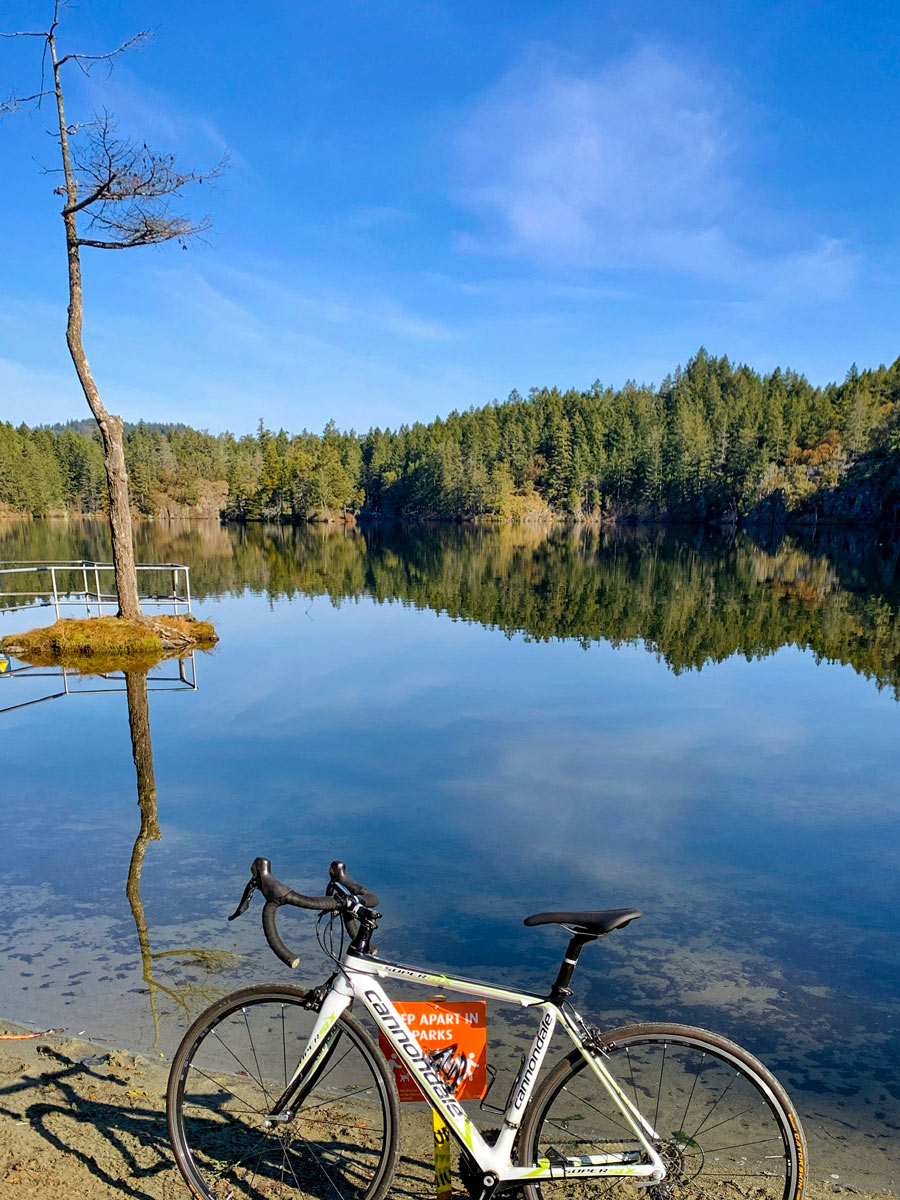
561 989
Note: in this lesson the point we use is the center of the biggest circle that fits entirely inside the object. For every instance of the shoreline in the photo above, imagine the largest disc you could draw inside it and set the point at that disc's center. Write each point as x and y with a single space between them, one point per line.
791 524
82 1118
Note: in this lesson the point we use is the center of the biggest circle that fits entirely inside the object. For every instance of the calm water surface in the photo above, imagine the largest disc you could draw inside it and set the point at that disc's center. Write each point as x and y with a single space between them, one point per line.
485 724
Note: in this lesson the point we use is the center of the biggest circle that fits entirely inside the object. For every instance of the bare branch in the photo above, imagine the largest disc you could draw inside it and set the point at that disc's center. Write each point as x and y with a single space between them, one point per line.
109 245
125 188
90 199
94 58
13 103
147 231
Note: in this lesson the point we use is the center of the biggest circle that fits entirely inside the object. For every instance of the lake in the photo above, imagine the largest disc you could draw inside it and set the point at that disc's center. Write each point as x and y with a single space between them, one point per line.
483 724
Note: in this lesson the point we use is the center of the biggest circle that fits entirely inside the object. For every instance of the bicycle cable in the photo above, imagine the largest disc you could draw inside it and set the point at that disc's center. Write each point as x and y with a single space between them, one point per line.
325 936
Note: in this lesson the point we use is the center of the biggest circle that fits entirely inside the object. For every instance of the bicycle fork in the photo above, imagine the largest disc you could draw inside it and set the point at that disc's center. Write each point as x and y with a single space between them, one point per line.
320 1048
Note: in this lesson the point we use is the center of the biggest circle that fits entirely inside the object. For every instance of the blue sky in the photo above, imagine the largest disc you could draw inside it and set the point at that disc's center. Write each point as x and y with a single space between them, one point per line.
430 203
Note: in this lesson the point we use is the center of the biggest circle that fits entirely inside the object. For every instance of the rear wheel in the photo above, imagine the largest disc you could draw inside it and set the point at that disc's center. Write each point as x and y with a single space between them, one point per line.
234 1063
725 1126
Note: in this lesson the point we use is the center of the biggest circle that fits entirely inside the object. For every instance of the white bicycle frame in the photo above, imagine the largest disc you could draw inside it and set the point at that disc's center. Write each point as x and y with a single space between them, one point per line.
359 980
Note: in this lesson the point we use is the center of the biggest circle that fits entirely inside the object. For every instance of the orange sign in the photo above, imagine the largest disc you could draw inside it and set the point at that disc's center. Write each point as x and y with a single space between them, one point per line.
454 1034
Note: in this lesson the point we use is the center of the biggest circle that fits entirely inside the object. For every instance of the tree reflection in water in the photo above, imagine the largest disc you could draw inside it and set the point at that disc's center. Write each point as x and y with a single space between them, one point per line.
693 596
187 995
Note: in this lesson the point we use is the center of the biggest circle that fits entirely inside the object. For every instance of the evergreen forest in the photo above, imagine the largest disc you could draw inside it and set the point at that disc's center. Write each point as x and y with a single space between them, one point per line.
713 442
692 597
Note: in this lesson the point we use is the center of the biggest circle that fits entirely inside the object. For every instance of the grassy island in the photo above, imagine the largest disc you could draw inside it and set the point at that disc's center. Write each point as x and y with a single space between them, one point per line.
110 643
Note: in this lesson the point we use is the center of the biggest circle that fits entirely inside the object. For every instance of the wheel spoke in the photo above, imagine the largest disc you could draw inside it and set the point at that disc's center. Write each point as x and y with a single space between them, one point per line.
285 1158
742 1145
719 1124
344 1096
256 1060
256 1165
340 1141
662 1067
672 1073
225 1088
683 1121
284 1048
711 1110
633 1084
605 1113
333 1066
246 1070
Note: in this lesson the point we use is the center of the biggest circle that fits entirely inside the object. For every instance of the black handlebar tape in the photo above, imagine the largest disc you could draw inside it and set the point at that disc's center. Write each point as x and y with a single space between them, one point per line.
277 892
270 908
271 888
338 873
319 903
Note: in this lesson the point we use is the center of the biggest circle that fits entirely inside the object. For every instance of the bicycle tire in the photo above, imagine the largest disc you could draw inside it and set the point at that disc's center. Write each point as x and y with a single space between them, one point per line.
690 1083
232 1064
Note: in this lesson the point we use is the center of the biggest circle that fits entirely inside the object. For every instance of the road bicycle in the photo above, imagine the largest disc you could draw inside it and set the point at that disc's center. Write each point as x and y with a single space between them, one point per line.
281 1093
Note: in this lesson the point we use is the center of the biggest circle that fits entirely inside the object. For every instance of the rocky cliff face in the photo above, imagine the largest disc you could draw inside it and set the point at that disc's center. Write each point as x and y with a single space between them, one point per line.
212 496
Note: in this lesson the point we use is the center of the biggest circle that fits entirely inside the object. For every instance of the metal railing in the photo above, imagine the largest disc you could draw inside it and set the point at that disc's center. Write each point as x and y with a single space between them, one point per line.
64 592
75 684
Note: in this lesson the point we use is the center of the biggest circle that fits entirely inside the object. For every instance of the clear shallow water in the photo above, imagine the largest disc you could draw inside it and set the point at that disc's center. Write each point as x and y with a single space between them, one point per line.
472 774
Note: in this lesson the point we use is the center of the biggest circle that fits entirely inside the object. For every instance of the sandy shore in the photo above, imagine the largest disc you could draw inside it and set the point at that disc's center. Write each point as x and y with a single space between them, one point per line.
86 1121
82 1120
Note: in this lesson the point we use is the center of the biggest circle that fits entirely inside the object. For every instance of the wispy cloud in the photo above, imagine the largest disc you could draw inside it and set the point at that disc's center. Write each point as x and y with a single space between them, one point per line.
513 289
218 346
377 216
265 297
146 113
38 395
635 166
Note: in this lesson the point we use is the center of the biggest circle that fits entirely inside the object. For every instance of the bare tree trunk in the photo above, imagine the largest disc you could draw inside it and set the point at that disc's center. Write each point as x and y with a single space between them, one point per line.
142 752
126 188
110 426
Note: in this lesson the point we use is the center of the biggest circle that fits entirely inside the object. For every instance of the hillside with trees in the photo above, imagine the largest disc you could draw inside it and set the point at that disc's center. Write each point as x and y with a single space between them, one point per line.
712 443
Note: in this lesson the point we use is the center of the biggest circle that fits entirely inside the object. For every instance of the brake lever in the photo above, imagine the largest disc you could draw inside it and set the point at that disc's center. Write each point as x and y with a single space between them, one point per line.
245 900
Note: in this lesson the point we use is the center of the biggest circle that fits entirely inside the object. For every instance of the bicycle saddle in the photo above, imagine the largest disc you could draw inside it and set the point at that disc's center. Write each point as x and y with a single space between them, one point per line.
597 923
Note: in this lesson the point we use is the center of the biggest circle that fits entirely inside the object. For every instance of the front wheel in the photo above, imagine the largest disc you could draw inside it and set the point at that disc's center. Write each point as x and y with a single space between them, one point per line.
235 1062
725 1126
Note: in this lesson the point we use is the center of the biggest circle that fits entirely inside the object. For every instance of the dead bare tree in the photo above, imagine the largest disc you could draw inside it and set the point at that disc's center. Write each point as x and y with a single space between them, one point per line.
118 191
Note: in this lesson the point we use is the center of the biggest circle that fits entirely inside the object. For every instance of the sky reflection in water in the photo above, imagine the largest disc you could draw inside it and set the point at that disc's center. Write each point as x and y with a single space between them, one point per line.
751 810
